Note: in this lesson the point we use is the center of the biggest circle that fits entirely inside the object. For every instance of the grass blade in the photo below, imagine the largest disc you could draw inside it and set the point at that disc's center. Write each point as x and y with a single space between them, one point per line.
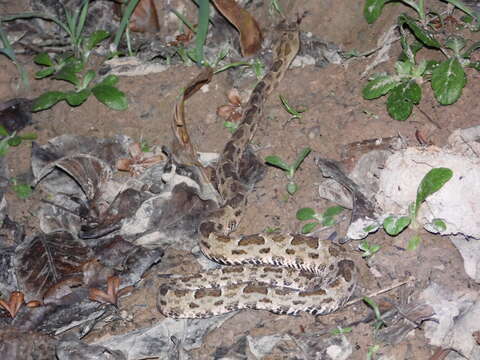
202 29
124 22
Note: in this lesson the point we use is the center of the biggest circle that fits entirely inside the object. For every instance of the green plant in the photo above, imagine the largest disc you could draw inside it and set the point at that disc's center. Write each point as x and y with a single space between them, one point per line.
289 169
8 51
123 28
372 350
230 126
431 183
271 230
23 191
368 249
70 67
296 113
275 7
379 323
327 218
12 140
447 78
341 331
196 54
105 91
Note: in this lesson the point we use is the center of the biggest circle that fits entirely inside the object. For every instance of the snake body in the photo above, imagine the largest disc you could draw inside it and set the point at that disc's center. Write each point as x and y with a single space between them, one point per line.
282 273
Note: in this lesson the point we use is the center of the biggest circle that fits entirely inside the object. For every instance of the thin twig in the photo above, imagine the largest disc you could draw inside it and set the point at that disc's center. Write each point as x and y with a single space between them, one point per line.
381 291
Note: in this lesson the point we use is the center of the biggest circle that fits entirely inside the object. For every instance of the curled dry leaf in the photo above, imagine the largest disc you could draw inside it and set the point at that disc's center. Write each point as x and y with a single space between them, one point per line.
14 303
233 97
232 111
112 294
33 304
250 34
139 160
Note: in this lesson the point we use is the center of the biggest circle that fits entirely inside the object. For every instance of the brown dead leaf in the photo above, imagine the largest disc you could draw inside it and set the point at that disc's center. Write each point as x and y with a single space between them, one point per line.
14 303
47 259
144 18
139 160
112 294
232 111
250 33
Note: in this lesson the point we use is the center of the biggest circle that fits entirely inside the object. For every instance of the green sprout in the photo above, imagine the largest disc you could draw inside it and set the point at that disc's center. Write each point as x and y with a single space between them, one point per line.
275 6
372 350
23 191
289 170
12 140
296 113
8 51
327 218
230 126
433 181
341 331
379 323
368 249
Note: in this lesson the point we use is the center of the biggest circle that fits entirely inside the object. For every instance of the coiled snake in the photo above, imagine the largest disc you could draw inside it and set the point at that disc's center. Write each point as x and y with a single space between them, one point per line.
282 273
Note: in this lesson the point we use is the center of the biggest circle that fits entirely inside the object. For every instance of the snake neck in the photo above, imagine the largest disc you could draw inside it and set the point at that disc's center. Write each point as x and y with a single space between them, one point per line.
230 186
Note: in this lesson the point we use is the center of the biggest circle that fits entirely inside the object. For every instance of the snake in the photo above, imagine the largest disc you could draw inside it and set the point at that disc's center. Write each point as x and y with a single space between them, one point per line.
284 273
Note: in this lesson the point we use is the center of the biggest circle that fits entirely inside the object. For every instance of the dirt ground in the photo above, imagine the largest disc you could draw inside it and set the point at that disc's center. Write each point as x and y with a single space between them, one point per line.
336 115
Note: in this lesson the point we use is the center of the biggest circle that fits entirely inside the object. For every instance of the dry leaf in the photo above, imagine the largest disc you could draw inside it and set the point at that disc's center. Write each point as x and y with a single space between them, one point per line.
250 34
14 303
144 18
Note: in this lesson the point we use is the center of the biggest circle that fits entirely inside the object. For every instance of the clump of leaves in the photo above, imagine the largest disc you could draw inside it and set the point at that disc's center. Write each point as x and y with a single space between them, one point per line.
327 218
71 69
71 66
431 183
447 77
289 169
12 140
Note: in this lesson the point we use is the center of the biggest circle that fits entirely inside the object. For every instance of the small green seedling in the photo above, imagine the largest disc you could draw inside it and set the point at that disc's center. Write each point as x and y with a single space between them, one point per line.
379 323
296 113
271 230
327 218
23 191
145 146
12 140
368 249
431 183
230 126
372 350
341 331
289 170
8 51
447 78
275 7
